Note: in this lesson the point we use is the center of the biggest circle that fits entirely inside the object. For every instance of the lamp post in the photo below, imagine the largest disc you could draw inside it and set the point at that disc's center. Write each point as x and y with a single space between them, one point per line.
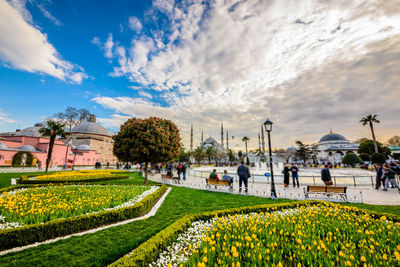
268 129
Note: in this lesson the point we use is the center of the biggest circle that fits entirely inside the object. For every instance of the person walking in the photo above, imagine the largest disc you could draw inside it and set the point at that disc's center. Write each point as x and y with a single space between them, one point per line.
295 175
179 170
286 175
390 177
228 178
184 166
244 174
326 175
379 176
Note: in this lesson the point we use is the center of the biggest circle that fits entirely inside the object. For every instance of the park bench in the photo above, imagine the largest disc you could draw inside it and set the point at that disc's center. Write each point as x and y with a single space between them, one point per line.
217 183
169 178
327 192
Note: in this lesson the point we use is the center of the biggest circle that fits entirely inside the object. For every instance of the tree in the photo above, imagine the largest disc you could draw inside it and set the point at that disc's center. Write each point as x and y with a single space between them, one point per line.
245 140
365 157
231 155
378 158
394 141
72 116
370 120
240 155
368 147
198 154
150 140
211 153
304 151
184 156
351 159
52 129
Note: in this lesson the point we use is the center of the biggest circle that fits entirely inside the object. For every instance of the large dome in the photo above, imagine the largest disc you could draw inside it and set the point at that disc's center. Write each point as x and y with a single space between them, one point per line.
91 128
30 131
332 137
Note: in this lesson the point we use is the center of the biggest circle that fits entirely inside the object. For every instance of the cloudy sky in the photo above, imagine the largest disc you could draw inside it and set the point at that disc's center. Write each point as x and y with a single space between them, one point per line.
306 65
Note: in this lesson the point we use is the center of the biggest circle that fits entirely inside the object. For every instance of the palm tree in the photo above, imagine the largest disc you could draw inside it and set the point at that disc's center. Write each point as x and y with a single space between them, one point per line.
370 120
245 139
52 129
198 154
211 154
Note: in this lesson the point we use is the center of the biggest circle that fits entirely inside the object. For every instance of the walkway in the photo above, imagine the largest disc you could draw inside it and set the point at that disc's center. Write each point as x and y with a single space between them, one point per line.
369 194
151 213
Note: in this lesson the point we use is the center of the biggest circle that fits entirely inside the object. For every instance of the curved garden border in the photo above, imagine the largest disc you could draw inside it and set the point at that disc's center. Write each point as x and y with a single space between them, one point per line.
148 251
29 234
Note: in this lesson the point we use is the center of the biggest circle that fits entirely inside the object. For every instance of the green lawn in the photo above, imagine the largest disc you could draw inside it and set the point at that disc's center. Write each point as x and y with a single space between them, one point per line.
104 247
5 178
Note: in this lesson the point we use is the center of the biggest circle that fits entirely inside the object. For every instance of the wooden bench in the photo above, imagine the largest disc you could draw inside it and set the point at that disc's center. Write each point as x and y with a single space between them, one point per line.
169 178
217 183
326 191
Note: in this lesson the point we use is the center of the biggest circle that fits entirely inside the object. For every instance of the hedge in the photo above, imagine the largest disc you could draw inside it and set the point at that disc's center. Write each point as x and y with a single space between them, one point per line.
29 234
25 180
148 251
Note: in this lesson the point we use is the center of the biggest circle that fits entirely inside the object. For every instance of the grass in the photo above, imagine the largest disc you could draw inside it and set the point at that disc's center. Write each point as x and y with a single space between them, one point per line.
104 247
5 178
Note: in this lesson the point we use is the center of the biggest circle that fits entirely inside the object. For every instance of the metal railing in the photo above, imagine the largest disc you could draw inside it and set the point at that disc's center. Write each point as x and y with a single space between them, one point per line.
339 180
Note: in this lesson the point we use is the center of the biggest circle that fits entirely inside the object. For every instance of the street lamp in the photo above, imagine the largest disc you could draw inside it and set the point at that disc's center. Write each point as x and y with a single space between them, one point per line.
268 129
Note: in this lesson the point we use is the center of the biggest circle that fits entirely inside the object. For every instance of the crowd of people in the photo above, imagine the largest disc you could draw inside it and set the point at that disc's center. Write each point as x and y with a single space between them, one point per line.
385 174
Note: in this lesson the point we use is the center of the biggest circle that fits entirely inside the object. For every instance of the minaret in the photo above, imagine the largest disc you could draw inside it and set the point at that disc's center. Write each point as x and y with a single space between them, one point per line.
227 140
222 135
202 136
262 139
191 137
259 142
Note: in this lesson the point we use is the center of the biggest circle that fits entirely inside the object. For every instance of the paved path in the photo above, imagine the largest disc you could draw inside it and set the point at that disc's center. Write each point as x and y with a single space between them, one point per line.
364 194
151 213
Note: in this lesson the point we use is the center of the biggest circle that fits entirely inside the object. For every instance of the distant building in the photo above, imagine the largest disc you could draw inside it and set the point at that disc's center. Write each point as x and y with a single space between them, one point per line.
333 147
89 143
211 142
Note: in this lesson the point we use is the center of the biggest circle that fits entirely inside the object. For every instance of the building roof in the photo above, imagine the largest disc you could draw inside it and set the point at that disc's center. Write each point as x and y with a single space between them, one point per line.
83 147
90 128
29 148
30 131
332 137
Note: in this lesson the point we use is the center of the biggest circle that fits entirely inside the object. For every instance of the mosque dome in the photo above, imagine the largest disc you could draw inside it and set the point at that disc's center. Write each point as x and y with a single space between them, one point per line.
90 128
30 131
332 137
28 148
291 149
210 140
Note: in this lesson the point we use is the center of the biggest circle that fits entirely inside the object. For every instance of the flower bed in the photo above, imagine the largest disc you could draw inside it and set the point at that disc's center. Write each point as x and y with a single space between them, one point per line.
78 175
301 234
42 204
19 236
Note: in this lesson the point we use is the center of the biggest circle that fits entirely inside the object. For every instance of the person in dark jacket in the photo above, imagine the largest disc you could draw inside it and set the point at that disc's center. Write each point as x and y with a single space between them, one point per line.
295 175
379 176
184 166
286 175
326 175
213 175
390 177
179 170
244 174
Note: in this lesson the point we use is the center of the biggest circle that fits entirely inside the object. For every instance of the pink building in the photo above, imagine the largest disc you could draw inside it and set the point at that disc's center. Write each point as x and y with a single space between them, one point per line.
30 141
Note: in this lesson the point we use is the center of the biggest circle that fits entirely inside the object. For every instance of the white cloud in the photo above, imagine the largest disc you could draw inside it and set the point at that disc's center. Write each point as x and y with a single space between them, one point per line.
48 15
4 118
24 47
135 24
234 61
145 94
108 46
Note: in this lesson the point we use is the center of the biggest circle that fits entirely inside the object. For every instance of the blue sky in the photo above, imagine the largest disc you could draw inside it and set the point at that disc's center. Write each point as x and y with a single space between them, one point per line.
307 65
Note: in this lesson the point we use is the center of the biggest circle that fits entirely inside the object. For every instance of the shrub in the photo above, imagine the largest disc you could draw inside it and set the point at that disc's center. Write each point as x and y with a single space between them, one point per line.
365 157
61 227
351 159
17 159
378 158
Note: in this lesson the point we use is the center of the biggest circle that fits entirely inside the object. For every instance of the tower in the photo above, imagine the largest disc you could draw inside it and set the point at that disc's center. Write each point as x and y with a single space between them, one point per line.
227 140
262 139
202 136
222 135
259 142
191 137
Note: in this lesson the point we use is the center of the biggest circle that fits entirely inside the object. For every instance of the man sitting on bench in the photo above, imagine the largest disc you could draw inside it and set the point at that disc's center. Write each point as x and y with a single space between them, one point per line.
213 175
228 178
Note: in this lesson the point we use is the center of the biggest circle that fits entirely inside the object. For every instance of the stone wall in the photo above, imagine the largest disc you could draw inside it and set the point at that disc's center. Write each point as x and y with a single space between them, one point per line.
102 144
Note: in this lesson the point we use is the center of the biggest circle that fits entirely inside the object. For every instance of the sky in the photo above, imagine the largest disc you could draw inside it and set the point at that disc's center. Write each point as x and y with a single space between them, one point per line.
308 66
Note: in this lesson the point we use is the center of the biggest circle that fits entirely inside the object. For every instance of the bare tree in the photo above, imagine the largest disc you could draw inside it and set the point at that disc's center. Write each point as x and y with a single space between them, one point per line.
72 116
